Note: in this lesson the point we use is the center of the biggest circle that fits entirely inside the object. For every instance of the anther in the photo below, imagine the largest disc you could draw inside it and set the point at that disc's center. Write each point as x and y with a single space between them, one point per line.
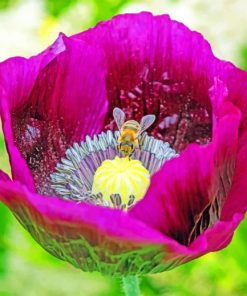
131 200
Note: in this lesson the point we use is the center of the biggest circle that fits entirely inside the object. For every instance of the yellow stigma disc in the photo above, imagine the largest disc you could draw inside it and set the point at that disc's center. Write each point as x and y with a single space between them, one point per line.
121 176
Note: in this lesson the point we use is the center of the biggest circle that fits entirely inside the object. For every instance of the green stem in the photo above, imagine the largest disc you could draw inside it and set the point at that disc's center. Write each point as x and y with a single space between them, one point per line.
131 285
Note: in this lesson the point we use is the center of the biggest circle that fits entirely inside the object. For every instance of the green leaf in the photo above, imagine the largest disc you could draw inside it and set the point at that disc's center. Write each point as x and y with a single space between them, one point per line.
56 8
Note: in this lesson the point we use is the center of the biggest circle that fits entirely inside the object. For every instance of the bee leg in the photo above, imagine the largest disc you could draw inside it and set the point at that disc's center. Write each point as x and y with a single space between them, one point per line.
118 148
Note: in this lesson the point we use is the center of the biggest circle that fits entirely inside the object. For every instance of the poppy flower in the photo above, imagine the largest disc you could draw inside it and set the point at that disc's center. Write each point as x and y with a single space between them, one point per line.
57 116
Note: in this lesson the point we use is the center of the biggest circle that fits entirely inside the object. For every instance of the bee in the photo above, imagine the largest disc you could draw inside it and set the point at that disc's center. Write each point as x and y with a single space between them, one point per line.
130 131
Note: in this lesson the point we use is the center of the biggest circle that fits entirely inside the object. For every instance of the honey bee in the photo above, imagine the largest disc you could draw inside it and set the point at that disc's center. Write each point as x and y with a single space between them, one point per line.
130 131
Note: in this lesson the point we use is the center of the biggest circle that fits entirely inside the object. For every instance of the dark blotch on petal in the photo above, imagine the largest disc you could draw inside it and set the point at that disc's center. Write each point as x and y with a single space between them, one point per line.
65 102
157 66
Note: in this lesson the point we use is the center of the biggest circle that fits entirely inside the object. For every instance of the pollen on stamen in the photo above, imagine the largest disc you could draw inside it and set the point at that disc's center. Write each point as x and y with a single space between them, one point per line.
78 175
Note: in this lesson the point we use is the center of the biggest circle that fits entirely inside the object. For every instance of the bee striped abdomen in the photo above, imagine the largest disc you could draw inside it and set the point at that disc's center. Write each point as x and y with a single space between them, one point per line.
131 125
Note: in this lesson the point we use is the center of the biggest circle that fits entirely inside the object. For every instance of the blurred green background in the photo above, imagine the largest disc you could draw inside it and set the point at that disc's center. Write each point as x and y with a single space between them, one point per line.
26 27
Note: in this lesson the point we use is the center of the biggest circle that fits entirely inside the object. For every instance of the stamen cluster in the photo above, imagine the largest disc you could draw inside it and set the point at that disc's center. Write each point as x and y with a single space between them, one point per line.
75 173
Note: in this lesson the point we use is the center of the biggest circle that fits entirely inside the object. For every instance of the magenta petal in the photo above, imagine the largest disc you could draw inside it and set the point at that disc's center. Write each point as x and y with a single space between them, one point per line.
227 118
214 238
71 90
158 66
197 183
82 235
4 176
64 101
17 78
90 237
220 235
177 193
237 199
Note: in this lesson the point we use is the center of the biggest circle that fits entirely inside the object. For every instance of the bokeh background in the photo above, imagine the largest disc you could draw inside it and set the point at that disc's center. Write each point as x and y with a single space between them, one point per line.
28 26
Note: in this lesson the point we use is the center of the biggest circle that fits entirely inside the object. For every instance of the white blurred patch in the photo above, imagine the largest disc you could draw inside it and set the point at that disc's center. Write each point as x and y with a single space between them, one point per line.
26 28
18 30
167 121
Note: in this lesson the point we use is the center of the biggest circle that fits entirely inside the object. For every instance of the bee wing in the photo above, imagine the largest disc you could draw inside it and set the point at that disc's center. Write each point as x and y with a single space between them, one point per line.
119 117
146 121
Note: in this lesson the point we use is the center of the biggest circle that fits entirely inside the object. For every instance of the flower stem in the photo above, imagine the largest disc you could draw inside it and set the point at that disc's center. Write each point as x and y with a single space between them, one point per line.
131 285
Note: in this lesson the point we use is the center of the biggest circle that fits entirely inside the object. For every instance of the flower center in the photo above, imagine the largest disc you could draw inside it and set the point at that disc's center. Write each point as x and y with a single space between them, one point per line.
93 172
121 181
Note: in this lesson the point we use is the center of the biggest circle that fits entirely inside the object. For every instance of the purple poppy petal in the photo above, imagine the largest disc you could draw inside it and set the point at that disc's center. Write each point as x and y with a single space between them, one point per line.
160 67
237 199
90 237
214 238
177 193
82 235
186 196
4 176
17 78
66 102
